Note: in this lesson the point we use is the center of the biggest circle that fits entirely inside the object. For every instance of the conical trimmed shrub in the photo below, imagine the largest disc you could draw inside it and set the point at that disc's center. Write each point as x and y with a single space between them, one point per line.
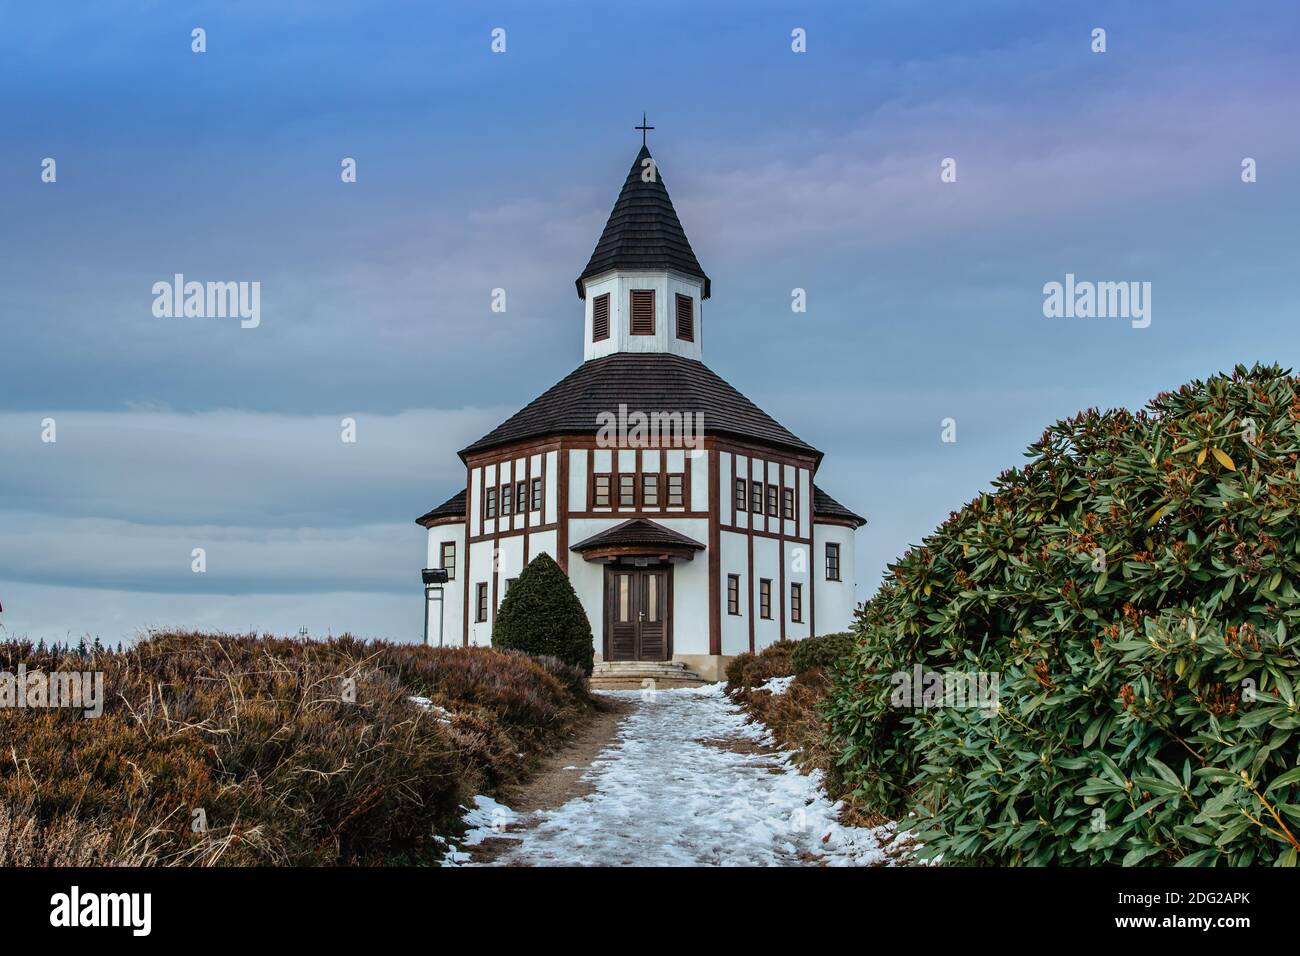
541 614
1133 588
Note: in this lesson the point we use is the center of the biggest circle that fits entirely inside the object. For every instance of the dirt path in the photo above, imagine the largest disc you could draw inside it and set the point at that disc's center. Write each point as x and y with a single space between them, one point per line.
559 777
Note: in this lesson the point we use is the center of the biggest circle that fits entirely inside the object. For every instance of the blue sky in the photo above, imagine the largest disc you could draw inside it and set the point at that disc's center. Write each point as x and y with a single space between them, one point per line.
479 170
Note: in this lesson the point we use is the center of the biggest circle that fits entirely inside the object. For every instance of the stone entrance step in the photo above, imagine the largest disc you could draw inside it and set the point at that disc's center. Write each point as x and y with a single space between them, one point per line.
635 675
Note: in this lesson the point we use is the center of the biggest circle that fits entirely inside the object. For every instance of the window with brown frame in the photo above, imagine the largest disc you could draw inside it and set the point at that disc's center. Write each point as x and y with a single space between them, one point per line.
765 597
448 557
627 491
650 491
832 561
509 581
600 492
685 318
521 497
600 317
771 501
490 504
733 593
643 311
676 498
787 503
506 498
756 497
537 494
796 603
480 603
740 494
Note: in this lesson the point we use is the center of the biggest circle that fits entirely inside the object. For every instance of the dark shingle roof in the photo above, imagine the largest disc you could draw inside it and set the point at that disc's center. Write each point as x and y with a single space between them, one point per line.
824 506
647 382
643 232
638 532
453 507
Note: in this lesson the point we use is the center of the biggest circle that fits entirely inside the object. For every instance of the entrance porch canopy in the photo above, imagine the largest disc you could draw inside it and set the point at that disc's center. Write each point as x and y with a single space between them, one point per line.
638 538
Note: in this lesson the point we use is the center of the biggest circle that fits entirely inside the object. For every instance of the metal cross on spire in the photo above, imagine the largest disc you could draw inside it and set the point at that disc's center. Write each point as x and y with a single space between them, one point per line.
643 128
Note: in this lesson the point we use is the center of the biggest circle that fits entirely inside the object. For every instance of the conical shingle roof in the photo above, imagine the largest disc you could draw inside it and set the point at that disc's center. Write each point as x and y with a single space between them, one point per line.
643 231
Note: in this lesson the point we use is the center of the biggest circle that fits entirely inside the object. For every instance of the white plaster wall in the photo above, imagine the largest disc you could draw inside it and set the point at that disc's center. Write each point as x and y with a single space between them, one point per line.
797 571
475 501
836 600
453 592
698 493
480 570
733 558
666 285
577 481
510 562
550 493
767 564
805 501
541 542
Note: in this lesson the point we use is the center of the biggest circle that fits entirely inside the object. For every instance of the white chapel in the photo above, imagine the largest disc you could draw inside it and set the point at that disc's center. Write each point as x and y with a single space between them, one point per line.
688 519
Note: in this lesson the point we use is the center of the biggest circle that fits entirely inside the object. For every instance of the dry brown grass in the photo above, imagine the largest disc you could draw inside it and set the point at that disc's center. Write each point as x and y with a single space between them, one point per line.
296 752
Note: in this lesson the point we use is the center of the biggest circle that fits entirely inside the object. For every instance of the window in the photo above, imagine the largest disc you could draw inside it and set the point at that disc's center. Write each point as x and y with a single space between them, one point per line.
509 581
733 593
675 496
600 317
624 598
650 491
480 610
537 494
505 500
756 497
832 561
740 494
643 311
765 597
449 559
521 497
490 506
627 491
787 503
771 501
796 603
600 496
685 318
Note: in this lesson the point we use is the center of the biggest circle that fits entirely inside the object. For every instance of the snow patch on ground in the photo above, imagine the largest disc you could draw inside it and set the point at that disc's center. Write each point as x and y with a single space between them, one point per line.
441 713
689 781
486 819
776 686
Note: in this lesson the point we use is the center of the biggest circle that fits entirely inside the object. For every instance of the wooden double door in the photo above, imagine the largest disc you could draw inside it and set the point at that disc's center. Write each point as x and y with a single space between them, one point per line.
637 613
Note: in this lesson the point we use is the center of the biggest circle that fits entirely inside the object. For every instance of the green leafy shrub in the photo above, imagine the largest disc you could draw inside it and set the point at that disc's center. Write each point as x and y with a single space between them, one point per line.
821 651
541 615
1133 587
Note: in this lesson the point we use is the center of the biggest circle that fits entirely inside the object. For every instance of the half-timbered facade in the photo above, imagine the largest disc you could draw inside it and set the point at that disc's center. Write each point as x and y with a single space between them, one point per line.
687 518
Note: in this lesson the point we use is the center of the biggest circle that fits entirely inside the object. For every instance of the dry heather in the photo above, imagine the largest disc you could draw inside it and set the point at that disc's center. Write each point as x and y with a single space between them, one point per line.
244 750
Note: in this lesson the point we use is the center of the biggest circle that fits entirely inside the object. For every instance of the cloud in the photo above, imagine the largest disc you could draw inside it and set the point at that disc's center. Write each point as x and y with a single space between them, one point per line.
280 504
237 468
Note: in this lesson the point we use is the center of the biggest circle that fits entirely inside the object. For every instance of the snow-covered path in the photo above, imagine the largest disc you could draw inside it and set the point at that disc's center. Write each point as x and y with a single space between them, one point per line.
687 783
